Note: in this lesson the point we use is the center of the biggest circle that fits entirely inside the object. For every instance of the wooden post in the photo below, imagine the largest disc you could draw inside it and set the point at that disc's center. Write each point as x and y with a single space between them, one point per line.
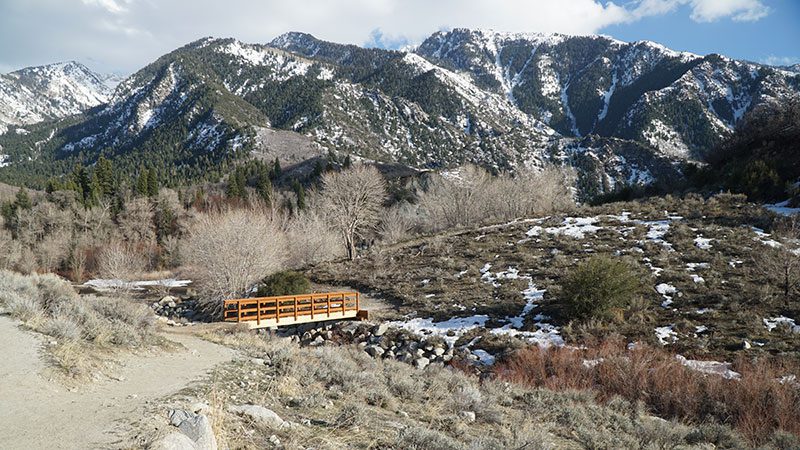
258 312
312 306
344 296
295 308
238 311
328 299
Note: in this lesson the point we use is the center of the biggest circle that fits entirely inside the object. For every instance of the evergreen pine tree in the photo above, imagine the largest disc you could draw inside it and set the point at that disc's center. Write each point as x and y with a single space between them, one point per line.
23 200
152 183
142 183
348 162
276 168
105 179
264 188
300 191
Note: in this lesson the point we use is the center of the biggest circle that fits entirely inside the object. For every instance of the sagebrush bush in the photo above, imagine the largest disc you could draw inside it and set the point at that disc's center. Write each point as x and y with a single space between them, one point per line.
48 304
600 287
287 282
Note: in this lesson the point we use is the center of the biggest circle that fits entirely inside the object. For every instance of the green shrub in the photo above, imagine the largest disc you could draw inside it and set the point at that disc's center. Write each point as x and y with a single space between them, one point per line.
287 282
600 287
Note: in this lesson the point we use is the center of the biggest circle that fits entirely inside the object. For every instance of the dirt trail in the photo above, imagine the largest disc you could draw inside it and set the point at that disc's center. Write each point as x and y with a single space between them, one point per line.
38 413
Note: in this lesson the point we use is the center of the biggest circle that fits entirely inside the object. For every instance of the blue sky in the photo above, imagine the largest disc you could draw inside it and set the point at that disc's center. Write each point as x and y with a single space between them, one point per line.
122 36
774 39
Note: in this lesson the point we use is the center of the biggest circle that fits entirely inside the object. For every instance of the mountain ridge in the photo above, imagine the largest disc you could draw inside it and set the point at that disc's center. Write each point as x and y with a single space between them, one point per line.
503 100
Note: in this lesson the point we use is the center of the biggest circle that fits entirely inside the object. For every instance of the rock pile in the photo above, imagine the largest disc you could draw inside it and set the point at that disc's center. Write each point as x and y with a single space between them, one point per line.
382 342
177 311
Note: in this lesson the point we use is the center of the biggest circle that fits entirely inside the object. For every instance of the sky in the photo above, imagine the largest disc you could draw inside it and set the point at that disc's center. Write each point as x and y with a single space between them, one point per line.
122 36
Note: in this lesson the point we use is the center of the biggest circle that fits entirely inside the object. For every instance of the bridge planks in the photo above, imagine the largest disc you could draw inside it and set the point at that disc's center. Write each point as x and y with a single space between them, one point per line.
275 311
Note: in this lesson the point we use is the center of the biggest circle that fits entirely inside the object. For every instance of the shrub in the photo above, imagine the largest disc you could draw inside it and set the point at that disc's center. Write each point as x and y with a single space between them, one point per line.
600 287
62 328
287 282
757 405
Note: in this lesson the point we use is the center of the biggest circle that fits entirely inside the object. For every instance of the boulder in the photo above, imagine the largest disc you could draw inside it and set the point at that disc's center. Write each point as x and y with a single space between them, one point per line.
380 329
374 351
260 415
421 363
177 416
198 429
467 416
173 441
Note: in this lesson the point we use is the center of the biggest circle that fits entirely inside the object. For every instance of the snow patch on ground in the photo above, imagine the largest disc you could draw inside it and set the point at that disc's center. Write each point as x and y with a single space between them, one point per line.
702 243
773 323
782 208
667 291
722 369
576 227
136 285
666 334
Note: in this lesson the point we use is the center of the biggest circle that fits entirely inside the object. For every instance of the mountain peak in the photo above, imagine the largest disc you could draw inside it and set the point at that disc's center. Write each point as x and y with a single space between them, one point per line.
294 39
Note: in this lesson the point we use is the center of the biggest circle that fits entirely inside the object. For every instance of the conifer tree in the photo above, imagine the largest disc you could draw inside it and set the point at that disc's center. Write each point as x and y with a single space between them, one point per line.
152 182
142 182
276 168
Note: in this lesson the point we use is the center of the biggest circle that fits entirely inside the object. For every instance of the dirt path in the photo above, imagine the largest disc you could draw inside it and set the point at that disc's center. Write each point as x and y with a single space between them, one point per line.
38 413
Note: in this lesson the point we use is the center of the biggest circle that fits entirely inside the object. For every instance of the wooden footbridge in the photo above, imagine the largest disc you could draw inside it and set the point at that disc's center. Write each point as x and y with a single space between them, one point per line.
268 312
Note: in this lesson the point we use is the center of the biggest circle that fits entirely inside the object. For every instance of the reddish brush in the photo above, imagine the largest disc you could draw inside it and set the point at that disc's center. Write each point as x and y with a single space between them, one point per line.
756 405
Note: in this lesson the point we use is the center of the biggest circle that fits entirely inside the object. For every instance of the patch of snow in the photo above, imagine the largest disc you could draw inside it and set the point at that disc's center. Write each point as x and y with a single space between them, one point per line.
576 227
667 291
5 160
449 330
697 278
136 285
722 369
666 334
484 357
772 323
782 208
702 243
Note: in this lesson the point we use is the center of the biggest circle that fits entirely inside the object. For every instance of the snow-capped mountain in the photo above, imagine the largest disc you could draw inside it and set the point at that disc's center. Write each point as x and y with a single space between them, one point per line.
679 103
623 113
36 94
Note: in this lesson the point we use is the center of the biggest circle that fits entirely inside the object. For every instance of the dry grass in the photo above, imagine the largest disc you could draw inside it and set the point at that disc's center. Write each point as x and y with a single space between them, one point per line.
344 399
758 405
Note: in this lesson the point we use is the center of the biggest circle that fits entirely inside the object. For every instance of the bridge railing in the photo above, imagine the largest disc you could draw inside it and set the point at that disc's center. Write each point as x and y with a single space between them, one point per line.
291 308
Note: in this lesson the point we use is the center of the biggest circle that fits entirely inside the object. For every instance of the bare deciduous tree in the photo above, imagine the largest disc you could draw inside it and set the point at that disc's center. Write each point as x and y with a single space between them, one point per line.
120 261
470 196
779 264
227 252
136 222
311 240
353 199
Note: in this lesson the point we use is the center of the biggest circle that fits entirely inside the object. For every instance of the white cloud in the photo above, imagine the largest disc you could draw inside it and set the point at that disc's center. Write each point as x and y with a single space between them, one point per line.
703 10
739 10
112 6
126 34
773 60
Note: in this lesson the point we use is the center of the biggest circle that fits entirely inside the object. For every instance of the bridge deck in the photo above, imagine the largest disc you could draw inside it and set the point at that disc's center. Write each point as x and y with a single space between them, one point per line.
263 312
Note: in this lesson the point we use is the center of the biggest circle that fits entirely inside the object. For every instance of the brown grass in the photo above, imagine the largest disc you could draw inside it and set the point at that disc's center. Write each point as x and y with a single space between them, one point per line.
758 404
